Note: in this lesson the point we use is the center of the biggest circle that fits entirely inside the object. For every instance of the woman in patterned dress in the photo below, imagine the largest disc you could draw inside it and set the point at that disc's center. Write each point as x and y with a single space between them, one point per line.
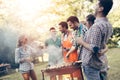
23 57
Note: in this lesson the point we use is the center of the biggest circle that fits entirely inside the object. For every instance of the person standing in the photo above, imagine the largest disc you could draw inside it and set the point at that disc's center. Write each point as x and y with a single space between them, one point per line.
67 42
103 72
23 57
53 45
78 30
96 36
90 19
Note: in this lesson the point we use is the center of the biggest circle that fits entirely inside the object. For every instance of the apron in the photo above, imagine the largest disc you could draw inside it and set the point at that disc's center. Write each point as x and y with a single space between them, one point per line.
73 56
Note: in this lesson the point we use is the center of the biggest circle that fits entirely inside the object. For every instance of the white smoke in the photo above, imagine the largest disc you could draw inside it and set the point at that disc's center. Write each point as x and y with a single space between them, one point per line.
37 51
8 39
55 55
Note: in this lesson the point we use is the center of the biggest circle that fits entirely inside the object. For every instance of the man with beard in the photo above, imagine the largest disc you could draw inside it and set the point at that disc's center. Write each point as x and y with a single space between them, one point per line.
96 36
67 43
79 29
103 73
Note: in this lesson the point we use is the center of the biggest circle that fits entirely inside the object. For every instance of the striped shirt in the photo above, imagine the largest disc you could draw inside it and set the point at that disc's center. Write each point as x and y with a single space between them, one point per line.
97 35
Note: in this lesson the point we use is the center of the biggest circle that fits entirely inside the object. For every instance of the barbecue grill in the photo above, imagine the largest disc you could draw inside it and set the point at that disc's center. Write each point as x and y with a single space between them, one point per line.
62 69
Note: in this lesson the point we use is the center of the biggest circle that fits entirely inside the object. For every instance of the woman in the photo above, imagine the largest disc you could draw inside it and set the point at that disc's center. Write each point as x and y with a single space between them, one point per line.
23 57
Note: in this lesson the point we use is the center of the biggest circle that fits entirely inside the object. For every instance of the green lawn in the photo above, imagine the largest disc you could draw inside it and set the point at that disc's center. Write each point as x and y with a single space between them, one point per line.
17 76
113 74
114 62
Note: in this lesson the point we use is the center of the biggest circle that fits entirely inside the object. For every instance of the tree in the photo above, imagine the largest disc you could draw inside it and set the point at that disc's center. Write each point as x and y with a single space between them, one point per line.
115 37
62 9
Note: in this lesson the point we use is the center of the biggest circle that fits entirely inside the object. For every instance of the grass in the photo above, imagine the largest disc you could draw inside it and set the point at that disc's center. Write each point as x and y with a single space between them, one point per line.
17 76
113 74
114 62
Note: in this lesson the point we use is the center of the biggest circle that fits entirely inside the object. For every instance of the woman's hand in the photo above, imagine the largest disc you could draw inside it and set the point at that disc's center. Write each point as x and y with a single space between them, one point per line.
28 59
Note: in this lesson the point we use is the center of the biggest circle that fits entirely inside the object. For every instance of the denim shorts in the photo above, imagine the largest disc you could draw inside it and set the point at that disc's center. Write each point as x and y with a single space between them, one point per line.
91 73
22 72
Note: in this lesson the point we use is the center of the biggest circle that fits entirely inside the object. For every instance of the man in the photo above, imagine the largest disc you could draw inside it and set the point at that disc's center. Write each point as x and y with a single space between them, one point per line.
90 20
67 42
78 30
103 72
53 44
97 36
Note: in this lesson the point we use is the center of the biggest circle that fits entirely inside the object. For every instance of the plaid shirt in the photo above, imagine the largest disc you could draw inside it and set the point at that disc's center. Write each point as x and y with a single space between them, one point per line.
80 31
97 35
21 54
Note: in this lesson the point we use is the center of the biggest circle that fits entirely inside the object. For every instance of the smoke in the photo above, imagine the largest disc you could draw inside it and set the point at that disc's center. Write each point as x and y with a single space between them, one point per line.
55 55
8 41
36 48
8 38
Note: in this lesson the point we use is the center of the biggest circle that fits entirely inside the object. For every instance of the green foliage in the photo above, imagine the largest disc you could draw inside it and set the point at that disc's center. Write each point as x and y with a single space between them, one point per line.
114 16
65 8
115 37
60 10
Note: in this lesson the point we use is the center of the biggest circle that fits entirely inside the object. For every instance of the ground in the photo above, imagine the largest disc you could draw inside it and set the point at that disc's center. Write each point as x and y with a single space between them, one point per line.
113 73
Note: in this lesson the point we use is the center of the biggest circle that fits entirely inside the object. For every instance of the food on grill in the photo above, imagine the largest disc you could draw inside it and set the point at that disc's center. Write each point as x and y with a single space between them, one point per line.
64 65
65 68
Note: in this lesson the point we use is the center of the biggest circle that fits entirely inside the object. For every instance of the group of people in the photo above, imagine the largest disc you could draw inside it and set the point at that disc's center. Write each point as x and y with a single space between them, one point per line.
80 44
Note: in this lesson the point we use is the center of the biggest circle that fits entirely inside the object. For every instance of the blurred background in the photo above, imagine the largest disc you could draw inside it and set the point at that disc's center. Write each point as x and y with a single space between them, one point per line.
35 17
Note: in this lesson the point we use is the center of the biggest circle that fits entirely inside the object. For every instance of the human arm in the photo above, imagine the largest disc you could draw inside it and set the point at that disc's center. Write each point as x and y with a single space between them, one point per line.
71 50
103 51
18 59
83 43
93 38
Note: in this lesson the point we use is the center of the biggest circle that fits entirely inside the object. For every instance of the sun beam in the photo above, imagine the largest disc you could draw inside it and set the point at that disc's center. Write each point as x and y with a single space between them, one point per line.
28 8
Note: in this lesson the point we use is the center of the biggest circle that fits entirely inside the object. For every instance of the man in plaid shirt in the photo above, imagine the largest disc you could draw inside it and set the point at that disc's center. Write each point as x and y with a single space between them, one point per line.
96 36
79 29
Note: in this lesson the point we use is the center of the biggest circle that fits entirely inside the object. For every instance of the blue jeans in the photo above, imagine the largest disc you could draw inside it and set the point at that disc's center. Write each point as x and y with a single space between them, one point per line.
91 73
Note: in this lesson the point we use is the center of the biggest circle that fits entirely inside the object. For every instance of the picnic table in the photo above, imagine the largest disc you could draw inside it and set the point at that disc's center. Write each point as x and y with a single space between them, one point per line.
4 68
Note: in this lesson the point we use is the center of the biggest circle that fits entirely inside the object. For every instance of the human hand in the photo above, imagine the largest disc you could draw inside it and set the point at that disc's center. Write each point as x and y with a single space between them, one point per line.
67 55
77 62
79 40
101 53
28 59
